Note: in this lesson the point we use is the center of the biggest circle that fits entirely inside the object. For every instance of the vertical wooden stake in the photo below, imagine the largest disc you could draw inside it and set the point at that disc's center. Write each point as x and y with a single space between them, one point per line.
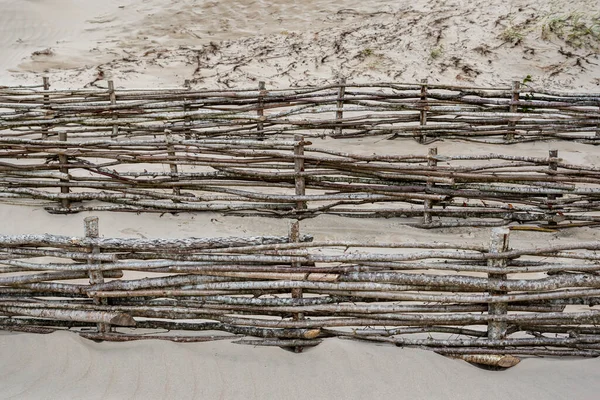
423 114
498 244
339 114
91 230
298 170
261 108
172 165
431 162
113 102
553 167
513 108
300 205
45 128
64 161
186 110
598 126
294 237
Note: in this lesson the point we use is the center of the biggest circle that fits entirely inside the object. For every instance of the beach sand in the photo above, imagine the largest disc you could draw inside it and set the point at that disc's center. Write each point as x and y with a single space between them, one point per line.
63 366
154 43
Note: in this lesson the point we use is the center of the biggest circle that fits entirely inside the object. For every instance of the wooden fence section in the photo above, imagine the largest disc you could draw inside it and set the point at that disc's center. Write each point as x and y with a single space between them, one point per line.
480 298
422 111
295 179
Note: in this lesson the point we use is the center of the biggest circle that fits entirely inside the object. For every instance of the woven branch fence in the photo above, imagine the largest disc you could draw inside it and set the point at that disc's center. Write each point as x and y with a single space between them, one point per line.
293 178
422 111
294 292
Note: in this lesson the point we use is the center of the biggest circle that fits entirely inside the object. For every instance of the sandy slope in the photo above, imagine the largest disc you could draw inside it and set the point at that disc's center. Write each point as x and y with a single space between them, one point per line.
63 366
235 42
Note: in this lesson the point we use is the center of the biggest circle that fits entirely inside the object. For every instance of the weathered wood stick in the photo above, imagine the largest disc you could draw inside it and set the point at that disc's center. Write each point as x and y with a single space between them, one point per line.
64 161
46 84
431 162
260 108
113 318
122 337
339 114
91 230
291 343
113 101
498 244
518 351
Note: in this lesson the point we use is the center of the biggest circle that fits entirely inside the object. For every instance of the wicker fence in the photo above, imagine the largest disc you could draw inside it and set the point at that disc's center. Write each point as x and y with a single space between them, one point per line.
421 111
293 291
295 179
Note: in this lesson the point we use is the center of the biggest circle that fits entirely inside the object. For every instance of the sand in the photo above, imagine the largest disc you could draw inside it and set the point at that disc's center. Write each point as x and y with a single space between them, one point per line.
143 43
234 43
64 366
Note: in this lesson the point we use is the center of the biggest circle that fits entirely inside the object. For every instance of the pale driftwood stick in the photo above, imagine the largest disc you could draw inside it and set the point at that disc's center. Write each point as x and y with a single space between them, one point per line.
513 108
137 244
538 341
64 161
339 114
569 329
113 101
174 326
293 343
91 230
518 351
372 310
123 337
403 296
114 318
159 282
260 112
432 163
50 276
28 253
419 320
474 283
493 360
404 331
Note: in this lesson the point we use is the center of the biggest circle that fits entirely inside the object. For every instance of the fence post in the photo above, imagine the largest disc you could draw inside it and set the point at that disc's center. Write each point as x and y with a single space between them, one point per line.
294 237
431 162
91 230
498 244
553 167
261 108
172 163
113 102
423 113
513 108
45 127
598 126
63 160
339 113
186 110
299 180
